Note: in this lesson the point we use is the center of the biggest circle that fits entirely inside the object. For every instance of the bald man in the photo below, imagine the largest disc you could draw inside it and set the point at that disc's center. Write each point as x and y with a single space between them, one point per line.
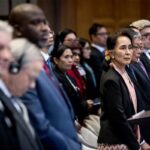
55 128
29 21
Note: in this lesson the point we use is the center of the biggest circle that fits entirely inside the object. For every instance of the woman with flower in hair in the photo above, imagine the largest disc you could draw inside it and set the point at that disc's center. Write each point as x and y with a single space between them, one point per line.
118 97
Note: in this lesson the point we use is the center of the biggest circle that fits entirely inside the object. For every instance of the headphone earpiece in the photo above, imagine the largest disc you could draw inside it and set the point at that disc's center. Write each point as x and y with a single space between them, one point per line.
14 67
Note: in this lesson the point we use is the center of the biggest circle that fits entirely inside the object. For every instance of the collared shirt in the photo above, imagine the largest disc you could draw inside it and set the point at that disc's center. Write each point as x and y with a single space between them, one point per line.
20 107
9 95
47 60
5 89
101 49
45 56
147 53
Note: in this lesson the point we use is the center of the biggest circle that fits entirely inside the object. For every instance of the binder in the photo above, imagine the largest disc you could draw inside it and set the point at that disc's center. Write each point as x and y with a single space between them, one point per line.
142 117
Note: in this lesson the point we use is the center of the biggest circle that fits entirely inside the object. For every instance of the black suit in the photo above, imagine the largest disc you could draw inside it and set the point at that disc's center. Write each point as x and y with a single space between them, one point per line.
14 133
79 105
143 101
146 63
142 79
91 91
117 107
96 62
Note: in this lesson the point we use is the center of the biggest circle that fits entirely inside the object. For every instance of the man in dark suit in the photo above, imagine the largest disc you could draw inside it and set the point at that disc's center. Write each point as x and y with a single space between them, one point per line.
136 68
98 35
145 56
49 108
144 27
140 80
16 132
7 140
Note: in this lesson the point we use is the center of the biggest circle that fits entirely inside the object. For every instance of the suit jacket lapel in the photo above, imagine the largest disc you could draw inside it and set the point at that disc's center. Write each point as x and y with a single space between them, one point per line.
63 94
17 116
146 63
137 67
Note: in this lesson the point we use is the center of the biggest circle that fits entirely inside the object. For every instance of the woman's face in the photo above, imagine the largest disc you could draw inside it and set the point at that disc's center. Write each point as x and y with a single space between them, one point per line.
86 51
76 56
122 53
69 39
65 61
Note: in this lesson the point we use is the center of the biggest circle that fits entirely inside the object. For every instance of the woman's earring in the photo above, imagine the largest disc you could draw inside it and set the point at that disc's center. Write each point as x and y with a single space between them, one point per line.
112 57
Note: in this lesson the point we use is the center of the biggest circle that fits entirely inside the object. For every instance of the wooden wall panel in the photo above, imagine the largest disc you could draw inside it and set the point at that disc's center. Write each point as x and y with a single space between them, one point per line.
48 6
67 14
80 14
145 9
113 13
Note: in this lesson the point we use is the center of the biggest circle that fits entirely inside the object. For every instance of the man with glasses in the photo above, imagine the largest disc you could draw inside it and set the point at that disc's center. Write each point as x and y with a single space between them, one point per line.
141 82
98 34
145 57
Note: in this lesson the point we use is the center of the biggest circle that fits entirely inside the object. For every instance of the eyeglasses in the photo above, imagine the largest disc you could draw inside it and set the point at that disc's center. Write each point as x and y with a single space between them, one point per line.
103 34
71 40
137 47
87 48
146 35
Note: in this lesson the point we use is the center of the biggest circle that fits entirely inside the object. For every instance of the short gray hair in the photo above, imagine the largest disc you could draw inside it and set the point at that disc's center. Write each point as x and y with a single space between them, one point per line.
22 49
5 27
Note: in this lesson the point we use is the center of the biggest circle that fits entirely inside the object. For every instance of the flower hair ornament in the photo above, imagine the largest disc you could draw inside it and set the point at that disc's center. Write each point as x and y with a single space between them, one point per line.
107 55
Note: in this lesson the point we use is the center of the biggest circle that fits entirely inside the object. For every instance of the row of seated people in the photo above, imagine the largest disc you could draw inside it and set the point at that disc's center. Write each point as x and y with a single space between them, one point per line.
138 70
50 116
73 79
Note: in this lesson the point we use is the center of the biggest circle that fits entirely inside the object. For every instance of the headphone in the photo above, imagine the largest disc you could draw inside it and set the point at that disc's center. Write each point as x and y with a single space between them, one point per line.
15 66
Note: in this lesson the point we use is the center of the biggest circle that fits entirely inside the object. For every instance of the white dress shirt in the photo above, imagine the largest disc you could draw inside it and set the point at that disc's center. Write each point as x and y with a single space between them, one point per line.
147 53
45 56
101 49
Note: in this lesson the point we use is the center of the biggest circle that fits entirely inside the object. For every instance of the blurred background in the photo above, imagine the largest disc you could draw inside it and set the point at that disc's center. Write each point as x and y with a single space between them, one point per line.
80 14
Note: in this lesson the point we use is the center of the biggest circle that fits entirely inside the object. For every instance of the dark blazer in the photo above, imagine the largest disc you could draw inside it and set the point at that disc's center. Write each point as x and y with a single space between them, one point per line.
146 63
51 115
142 79
117 107
143 101
96 62
91 90
14 133
79 104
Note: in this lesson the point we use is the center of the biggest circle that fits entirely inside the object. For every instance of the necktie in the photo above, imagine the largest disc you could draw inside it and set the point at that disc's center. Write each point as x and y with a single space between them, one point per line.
143 68
23 111
48 62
